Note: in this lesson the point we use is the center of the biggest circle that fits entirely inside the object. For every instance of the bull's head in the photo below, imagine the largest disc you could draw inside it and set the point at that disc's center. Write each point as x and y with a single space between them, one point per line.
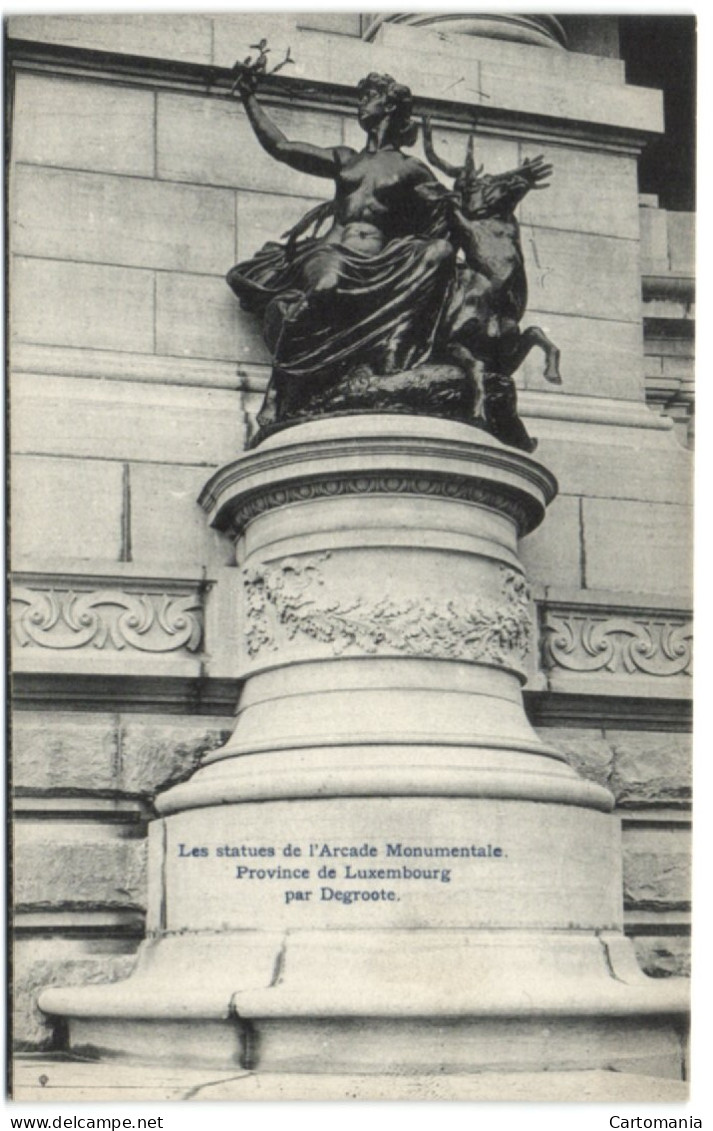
483 194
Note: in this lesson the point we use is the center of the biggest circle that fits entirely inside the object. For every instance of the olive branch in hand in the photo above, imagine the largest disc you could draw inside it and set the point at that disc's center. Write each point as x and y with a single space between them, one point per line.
248 73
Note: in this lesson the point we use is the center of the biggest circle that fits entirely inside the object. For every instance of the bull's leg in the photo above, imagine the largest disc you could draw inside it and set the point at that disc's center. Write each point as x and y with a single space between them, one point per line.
501 412
475 370
552 355
527 340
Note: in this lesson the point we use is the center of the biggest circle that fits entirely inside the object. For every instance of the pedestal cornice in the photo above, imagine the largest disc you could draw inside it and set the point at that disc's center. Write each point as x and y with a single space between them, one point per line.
379 455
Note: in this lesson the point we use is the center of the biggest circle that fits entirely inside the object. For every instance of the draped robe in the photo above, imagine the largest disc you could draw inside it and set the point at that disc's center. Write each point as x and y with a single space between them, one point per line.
384 311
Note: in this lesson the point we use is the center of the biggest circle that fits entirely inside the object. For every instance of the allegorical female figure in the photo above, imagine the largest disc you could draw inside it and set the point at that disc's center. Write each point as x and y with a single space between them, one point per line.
370 291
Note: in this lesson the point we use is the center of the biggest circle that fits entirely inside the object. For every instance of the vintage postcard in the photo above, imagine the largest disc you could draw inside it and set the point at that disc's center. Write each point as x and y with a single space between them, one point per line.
351 403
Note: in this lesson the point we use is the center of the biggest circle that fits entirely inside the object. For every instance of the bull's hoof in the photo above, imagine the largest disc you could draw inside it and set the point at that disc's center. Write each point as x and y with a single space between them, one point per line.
552 369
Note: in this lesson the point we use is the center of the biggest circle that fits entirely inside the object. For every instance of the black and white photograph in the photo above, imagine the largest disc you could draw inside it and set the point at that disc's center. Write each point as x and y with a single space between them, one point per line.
350 393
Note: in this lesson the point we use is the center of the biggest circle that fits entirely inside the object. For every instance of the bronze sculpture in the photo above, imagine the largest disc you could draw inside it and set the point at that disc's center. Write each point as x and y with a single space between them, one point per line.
481 330
361 318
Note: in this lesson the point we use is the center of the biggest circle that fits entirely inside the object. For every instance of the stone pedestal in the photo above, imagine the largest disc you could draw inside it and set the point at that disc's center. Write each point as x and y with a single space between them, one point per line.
384 869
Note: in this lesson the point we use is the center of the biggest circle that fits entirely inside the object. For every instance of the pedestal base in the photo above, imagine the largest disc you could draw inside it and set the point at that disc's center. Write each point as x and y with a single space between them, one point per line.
450 935
416 1003
385 869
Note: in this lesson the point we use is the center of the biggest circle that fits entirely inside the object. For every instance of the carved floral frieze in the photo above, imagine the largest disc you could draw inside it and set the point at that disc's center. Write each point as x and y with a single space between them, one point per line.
106 619
295 599
290 599
627 644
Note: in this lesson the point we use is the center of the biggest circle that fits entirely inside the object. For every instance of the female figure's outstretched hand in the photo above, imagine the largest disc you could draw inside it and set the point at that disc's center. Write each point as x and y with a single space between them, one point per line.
245 78
302 156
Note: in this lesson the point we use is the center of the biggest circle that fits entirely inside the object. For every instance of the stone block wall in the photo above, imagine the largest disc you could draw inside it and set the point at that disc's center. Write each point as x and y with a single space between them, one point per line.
84 782
668 267
135 185
649 773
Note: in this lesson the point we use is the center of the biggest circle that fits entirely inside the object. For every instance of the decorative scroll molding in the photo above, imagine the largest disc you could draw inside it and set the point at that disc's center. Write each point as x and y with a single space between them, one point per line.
523 511
106 619
287 599
627 644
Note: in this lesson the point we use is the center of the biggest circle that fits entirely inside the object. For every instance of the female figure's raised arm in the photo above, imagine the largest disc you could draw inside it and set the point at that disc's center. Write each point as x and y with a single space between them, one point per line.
299 155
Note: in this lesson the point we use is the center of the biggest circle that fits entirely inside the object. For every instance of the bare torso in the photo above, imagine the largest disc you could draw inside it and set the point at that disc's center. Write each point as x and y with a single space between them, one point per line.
374 199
